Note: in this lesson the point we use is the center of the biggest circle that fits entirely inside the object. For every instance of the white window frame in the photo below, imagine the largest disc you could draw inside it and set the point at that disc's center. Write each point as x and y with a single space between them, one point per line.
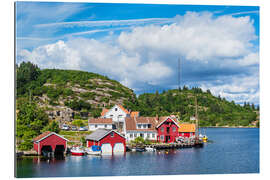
162 137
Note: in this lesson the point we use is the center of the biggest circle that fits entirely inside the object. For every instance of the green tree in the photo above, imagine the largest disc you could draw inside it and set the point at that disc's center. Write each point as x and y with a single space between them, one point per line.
52 126
25 74
30 121
78 123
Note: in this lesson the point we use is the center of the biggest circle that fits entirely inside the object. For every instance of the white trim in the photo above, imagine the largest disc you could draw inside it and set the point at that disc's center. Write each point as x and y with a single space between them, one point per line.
109 133
38 149
166 120
50 135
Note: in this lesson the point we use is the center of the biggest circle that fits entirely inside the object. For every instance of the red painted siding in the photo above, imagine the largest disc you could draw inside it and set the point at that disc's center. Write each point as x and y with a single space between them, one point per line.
52 141
186 134
108 139
169 133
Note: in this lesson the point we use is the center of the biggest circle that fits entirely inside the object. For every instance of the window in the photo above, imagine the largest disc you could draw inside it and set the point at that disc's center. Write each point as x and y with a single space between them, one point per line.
162 137
111 115
139 126
144 126
148 135
105 125
174 129
162 129
135 135
112 134
149 126
131 135
95 126
153 135
115 109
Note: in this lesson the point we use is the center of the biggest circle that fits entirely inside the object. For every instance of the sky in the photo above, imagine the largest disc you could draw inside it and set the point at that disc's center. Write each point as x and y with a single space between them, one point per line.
139 45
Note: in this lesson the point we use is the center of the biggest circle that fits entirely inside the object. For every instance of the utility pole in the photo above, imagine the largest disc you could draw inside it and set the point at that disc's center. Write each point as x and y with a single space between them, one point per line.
196 116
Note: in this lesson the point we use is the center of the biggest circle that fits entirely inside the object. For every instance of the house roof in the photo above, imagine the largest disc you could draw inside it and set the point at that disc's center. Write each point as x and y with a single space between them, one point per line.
104 111
99 134
100 121
163 119
132 121
134 114
45 135
184 127
120 106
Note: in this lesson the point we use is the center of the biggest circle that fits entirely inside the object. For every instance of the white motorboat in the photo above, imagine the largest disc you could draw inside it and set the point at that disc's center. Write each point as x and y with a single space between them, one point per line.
150 149
93 150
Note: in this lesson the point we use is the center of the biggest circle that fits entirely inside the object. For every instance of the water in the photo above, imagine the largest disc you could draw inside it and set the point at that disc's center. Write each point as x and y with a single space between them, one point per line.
231 150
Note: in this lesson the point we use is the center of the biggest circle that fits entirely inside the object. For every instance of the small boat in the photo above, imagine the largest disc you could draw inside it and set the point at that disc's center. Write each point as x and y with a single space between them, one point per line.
77 151
205 138
93 150
138 149
150 149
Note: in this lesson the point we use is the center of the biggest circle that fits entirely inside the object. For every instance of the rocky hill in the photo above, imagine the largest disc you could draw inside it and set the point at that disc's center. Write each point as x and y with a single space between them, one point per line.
68 94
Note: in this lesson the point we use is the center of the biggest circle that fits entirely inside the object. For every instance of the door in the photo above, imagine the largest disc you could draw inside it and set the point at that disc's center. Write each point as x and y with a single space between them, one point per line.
106 148
118 147
167 139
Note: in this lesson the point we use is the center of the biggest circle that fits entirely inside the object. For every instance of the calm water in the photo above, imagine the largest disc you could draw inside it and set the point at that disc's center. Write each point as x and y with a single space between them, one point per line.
232 151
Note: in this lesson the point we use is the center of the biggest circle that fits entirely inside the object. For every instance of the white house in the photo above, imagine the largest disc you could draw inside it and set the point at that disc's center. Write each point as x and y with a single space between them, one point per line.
100 123
144 127
118 113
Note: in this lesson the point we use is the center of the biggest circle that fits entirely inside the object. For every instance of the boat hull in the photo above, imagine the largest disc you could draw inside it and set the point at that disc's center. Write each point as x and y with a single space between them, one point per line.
77 153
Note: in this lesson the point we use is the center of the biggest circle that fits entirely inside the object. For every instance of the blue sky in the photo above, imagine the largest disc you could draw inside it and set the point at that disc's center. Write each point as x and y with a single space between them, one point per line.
139 44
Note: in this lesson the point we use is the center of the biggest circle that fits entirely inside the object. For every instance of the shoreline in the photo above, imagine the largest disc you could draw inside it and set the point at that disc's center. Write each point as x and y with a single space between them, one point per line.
228 127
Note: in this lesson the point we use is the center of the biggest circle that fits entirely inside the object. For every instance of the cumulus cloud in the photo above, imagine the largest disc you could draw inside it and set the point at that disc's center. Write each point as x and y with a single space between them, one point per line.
217 54
92 55
195 36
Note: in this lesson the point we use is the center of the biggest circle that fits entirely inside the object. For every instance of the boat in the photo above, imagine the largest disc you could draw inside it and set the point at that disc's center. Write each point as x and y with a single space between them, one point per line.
137 149
150 149
205 138
93 150
77 151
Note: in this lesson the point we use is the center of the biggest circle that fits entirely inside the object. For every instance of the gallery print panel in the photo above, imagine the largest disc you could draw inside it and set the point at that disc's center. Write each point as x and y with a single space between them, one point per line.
115 89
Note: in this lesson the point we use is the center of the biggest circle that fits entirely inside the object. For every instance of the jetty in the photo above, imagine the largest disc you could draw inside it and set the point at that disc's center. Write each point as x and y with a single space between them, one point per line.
160 146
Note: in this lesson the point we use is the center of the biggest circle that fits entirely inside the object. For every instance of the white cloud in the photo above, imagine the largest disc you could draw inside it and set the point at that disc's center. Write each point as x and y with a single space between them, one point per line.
217 49
195 36
237 88
92 55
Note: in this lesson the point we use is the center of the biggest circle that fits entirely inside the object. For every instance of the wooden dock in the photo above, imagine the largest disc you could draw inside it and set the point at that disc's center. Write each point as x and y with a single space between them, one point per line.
161 146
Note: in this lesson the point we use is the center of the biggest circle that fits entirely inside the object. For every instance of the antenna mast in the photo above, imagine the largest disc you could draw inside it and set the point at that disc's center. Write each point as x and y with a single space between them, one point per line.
179 74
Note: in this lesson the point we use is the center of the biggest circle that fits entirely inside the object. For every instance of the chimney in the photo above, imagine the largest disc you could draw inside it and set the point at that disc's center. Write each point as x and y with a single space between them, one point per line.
156 117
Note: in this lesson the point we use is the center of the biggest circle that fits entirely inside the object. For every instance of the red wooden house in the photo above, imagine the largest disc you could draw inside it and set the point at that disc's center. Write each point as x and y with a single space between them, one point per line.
167 130
50 141
186 130
110 141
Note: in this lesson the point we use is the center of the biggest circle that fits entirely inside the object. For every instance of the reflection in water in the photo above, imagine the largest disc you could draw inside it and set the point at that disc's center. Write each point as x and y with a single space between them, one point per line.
57 158
233 151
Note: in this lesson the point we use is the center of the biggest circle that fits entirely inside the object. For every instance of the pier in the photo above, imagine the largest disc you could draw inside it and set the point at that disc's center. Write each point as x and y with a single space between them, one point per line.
160 146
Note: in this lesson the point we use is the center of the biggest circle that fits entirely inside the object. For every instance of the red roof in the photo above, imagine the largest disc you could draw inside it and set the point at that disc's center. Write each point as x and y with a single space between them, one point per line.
126 111
134 114
184 127
100 121
42 135
47 134
104 111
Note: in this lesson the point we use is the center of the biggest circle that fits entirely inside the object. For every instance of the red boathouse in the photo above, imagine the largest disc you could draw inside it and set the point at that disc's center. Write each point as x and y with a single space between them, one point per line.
167 129
50 142
110 141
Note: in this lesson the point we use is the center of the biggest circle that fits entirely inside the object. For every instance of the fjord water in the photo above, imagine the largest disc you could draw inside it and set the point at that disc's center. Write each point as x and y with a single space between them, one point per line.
230 150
